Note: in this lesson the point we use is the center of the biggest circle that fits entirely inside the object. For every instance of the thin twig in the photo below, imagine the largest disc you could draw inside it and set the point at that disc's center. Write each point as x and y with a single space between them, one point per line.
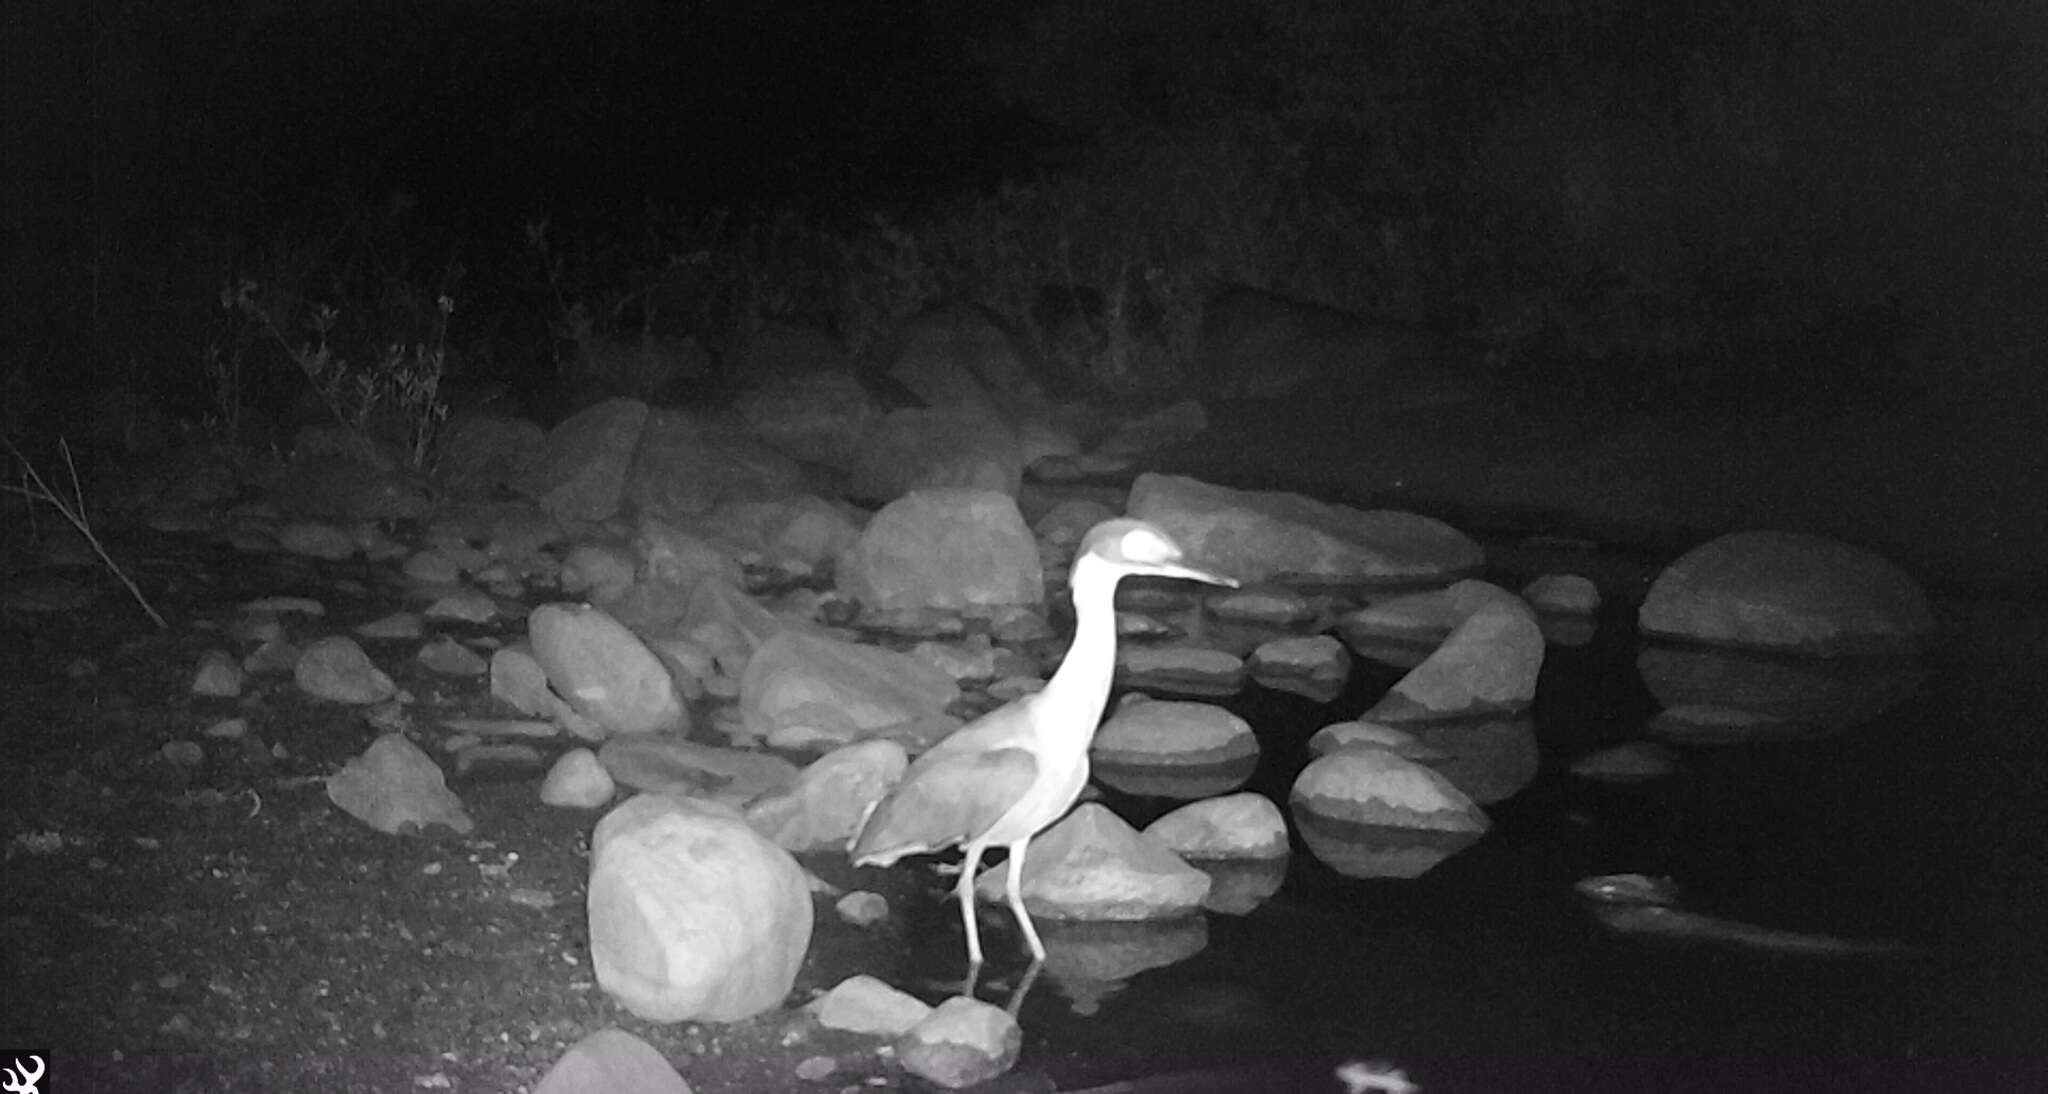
74 511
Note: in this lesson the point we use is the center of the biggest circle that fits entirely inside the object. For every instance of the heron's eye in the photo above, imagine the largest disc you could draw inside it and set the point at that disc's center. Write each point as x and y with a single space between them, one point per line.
1144 546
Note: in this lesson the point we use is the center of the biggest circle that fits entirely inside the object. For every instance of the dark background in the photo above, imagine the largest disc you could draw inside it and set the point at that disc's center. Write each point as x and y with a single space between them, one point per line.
1626 192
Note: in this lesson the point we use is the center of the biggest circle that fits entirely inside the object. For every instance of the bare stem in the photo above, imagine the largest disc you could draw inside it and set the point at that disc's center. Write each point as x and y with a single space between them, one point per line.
73 510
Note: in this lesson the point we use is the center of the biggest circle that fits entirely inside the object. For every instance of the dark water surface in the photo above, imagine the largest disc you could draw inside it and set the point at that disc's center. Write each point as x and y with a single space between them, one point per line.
1924 826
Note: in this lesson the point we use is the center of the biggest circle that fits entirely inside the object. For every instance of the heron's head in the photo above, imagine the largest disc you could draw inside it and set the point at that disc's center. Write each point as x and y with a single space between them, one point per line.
1127 547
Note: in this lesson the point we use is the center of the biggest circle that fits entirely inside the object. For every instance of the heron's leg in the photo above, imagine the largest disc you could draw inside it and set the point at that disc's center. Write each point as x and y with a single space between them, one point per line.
1023 989
965 888
1015 891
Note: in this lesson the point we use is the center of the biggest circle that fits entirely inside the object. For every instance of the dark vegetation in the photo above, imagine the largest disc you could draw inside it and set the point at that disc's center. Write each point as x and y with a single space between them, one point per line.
417 205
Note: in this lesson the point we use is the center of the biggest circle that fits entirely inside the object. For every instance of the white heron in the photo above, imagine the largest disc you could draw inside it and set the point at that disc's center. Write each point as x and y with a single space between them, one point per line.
1008 775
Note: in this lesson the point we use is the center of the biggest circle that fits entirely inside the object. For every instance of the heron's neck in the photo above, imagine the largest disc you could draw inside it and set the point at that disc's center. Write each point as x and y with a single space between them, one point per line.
1082 682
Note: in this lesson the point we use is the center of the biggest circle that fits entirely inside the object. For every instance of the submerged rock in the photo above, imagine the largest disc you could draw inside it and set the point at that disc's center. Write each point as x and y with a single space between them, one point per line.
1628 762
1489 759
1563 594
1778 696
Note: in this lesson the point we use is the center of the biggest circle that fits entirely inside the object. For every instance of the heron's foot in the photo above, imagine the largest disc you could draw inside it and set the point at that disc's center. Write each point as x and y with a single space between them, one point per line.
965 987
995 983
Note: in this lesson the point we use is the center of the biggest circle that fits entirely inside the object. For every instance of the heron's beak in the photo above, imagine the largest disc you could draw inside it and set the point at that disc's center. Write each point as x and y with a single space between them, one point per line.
1170 569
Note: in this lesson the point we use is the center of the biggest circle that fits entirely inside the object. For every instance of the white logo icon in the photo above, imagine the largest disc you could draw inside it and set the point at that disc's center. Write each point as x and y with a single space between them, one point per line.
24 1082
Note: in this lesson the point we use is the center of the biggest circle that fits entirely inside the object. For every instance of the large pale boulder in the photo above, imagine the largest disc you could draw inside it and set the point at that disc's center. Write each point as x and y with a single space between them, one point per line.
693 915
946 549
1787 591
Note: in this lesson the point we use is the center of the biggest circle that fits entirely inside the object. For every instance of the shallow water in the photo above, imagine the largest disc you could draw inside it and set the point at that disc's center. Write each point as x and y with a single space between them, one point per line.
1921 826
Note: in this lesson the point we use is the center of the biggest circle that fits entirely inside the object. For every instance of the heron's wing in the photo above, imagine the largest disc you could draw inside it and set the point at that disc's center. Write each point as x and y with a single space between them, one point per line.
944 799
1007 726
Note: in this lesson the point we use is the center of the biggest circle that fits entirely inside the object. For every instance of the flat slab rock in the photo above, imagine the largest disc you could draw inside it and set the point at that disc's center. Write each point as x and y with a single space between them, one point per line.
1264 535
